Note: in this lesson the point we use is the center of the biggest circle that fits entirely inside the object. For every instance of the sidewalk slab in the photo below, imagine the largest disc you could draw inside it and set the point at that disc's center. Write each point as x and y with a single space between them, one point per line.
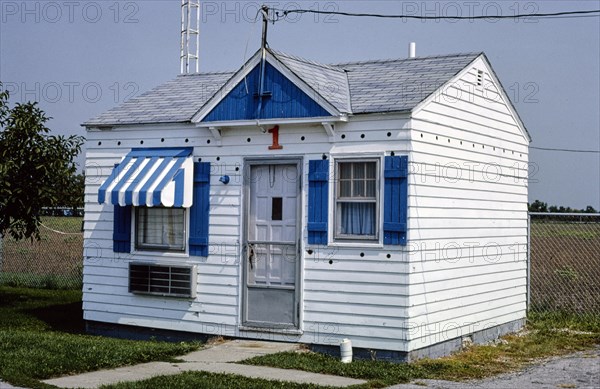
238 350
272 373
96 379
4 385
218 358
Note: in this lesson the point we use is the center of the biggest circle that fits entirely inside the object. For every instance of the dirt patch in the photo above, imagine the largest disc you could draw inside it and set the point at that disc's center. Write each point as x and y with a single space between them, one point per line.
580 370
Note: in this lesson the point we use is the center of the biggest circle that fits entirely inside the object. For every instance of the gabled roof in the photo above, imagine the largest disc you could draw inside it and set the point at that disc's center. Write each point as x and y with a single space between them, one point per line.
330 81
175 101
352 88
400 85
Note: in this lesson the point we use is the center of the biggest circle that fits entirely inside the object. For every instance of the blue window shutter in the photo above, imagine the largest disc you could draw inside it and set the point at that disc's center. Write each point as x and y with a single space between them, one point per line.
122 229
318 201
200 210
395 201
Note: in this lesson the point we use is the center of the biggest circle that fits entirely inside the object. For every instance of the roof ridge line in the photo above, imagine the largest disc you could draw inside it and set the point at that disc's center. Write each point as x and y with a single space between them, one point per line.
307 61
340 64
206 73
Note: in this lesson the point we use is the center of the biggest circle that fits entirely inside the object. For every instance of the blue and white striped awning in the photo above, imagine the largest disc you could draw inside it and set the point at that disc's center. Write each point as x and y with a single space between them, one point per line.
151 177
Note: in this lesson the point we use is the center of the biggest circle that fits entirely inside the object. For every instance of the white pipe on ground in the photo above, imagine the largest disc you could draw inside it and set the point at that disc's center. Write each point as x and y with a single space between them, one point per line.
346 350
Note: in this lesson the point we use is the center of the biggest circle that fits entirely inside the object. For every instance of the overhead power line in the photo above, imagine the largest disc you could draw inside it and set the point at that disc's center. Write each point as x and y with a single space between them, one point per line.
552 15
565 150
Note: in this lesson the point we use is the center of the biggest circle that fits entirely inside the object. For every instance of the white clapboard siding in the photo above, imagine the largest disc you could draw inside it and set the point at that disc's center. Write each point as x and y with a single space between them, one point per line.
425 185
450 193
415 312
210 324
361 296
483 260
358 264
459 291
106 274
467 215
445 223
440 157
356 298
423 335
383 278
474 307
364 287
366 296
456 115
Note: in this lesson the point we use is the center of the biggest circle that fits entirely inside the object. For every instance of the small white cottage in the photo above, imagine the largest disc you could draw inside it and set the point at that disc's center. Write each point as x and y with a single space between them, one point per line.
381 201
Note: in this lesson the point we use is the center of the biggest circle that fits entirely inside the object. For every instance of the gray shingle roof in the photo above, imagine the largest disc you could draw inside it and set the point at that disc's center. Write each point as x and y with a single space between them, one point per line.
353 87
175 101
400 85
331 82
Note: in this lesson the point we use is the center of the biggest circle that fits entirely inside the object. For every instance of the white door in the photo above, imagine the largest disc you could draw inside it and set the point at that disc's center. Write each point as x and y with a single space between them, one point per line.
271 250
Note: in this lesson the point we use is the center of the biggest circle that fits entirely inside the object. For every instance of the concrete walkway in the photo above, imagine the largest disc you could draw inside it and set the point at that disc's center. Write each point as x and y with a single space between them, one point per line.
4 385
218 358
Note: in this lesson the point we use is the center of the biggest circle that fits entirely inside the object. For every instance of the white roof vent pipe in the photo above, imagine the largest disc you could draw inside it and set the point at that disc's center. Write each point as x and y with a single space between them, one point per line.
412 50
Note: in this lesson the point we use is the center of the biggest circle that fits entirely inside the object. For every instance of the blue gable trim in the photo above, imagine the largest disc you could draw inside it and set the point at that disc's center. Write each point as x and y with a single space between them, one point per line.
285 100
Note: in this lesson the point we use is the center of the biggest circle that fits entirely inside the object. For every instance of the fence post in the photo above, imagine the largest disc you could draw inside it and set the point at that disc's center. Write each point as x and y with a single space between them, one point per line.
528 261
1 256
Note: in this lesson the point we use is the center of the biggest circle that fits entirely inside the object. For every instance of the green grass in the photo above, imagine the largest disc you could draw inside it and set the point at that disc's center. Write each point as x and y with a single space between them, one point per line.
541 229
42 281
546 335
201 380
41 336
548 320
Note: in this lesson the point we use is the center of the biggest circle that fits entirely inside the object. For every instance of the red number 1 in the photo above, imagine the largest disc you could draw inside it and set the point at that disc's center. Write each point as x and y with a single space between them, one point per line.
275 145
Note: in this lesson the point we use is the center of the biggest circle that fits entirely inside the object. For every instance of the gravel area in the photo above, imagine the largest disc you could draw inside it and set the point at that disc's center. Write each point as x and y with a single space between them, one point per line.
577 371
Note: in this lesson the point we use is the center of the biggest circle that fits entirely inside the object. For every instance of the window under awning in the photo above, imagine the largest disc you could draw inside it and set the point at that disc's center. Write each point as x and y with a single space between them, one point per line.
152 178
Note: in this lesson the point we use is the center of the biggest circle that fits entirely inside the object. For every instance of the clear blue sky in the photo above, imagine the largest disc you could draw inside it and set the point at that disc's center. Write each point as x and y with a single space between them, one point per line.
80 58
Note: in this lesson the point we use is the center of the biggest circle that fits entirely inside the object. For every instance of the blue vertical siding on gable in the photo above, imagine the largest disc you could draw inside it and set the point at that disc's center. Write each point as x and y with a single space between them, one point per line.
286 100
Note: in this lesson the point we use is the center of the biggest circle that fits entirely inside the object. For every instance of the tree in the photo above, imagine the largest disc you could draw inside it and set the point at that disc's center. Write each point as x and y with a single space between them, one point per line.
34 167
538 206
72 195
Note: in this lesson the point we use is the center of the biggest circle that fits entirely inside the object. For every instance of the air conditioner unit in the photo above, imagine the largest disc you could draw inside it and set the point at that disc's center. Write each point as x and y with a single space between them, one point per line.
162 280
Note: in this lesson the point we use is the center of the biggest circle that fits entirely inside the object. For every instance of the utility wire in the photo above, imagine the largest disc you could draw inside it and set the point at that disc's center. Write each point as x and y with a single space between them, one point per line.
554 15
565 150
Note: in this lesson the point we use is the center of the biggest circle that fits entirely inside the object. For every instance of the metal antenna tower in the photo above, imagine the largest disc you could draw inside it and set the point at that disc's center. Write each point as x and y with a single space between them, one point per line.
190 36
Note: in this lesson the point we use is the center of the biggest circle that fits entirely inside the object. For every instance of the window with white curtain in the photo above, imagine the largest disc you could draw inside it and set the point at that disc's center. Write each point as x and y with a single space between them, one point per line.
160 229
356 200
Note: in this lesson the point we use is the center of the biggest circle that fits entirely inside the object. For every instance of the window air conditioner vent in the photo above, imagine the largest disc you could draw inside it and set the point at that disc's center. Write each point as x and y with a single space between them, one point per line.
162 280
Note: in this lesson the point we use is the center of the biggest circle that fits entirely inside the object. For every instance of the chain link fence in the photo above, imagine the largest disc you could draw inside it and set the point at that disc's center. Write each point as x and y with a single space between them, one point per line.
564 259
53 262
